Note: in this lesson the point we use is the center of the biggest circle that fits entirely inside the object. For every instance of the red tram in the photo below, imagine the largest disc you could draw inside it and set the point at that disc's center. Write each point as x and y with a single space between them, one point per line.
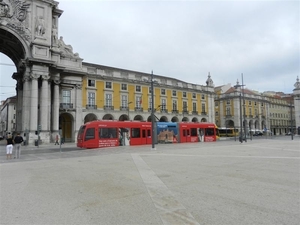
195 132
107 133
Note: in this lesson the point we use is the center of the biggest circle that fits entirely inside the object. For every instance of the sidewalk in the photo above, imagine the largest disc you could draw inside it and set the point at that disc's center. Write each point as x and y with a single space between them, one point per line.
223 182
43 148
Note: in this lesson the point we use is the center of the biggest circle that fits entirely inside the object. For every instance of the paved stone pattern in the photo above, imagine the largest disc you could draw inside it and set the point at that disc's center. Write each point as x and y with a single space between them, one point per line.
224 182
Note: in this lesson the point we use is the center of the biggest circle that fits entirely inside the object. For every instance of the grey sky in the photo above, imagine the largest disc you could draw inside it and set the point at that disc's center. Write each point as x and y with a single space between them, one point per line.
188 39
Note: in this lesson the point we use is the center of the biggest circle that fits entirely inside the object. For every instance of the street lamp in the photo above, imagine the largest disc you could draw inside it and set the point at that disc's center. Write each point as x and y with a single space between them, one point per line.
241 113
244 109
152 113
291 109
128 109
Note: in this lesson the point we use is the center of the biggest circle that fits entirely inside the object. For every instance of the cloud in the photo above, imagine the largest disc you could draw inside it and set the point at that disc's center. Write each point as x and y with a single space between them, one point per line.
188 39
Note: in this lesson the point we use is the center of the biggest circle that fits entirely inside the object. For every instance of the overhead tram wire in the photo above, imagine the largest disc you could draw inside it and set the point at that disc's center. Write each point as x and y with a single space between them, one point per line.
7 64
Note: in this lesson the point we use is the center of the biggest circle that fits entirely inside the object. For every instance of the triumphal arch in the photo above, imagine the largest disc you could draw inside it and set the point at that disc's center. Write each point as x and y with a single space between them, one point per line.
44 64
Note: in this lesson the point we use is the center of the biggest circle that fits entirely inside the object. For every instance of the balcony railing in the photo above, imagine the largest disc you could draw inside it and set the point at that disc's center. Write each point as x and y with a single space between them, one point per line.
228 115
194 112
66 105
108 107
138 109
175 111
124 108
91 106
164 110
185 112
149 110
204 113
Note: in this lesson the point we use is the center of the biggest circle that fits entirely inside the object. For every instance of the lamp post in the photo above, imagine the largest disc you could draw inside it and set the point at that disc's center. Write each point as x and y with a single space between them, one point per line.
291 108
244 108
128 109
152 113
241 113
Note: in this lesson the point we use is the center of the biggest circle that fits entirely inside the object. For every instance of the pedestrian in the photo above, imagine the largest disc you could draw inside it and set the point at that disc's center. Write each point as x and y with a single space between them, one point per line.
56 140
9 146
18 141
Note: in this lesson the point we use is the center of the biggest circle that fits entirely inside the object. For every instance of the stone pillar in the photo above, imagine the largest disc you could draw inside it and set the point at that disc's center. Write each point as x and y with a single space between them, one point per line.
49 107
78 118
19 90
26 104
236 110
44 117
221 114
55 109
34 102
296 93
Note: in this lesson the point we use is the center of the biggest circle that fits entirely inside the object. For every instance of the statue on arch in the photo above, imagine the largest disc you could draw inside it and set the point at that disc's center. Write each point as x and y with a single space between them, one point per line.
40 26
66 50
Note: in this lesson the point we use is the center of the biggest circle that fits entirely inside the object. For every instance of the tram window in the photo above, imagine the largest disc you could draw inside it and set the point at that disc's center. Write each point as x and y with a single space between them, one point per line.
194 132
108 133
89 134
188 132
135 133
184 133
144 133
148 133
81 130
209 131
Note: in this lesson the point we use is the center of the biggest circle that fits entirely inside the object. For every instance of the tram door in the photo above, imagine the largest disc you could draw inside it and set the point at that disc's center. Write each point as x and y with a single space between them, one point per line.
185 135
146 136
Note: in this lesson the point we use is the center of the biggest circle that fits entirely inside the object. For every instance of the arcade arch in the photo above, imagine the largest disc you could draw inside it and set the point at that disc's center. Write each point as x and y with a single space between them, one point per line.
203 120
43 69
90 117
138 117
123 117
66 121
108 117
185 119
195 120
175 119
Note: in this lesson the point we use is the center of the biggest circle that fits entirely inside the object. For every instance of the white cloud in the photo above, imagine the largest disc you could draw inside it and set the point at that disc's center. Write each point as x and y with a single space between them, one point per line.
188 39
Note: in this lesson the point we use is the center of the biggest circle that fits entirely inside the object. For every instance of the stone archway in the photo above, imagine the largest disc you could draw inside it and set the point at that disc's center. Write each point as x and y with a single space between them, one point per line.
90 117
203 120
123 117
108 117
195 120
174 119
185 119
163 119
138 117
66 127
47 69
230 123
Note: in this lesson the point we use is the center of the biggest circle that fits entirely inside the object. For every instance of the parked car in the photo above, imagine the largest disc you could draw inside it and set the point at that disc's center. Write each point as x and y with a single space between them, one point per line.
258 134
289 133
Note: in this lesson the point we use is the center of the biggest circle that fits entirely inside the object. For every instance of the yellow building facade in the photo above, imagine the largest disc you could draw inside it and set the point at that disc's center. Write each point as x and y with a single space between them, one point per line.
116 94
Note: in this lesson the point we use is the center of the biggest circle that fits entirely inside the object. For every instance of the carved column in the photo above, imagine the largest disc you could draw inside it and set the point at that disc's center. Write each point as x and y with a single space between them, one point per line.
78 118
19 90
55 110
26 103
34 102
44 117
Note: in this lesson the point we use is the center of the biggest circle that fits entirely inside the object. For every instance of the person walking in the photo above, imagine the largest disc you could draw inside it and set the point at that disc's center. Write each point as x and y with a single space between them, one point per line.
18 141
9 146
57 140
